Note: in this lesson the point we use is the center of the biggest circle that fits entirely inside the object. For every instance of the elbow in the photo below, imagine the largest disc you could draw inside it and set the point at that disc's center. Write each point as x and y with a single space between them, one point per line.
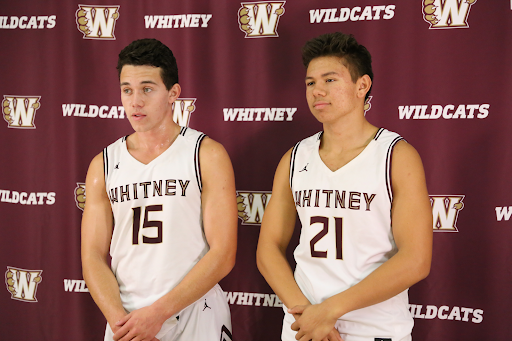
227 263
422 269
260 260
230 262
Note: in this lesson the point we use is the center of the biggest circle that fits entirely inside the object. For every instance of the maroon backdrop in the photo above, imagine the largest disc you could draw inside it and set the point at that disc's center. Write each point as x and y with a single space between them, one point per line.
442 80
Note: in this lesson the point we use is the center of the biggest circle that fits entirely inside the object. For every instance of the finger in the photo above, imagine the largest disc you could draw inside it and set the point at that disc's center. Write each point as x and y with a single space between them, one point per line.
130 337
119 334
123 320
299 335
124 334
335 335
295 326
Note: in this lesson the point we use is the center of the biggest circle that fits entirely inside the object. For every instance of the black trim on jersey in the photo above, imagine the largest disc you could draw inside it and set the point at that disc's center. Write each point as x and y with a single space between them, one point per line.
124 138
225 330
183 130
388 167
294 154
292 161
105 164
197 166
379 132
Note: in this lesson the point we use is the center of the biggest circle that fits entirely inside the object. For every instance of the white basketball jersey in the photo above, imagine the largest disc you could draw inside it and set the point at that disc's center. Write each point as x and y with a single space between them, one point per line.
346 230
158 232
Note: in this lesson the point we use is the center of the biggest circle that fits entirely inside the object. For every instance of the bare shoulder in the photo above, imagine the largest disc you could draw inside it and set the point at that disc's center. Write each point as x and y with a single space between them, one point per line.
281 191
406 165
218 197
404 152
215 164
408 180
212 151
216 168
283 169
95 174
97 218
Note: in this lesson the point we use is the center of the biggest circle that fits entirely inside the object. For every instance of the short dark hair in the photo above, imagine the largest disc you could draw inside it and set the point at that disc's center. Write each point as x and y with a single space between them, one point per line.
150 52
353 55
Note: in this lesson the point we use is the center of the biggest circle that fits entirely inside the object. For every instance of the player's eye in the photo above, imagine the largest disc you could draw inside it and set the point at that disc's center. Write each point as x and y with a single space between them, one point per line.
127 91
309 83
146 90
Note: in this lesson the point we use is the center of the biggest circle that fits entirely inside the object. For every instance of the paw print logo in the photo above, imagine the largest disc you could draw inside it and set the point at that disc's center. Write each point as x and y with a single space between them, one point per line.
242 214
81 19
7 111
80 195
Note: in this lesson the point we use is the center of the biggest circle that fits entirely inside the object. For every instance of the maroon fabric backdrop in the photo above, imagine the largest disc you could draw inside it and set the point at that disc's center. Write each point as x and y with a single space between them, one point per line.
442 80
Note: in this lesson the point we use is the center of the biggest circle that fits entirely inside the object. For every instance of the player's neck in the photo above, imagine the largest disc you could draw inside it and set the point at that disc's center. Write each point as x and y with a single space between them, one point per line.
146 146
351 132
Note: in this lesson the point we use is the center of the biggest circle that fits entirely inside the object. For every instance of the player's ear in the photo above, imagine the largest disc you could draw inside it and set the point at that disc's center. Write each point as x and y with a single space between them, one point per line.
363 85
174 92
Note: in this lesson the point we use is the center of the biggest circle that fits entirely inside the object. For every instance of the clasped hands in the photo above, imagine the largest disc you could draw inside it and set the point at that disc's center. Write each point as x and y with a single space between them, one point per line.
141 324
314 323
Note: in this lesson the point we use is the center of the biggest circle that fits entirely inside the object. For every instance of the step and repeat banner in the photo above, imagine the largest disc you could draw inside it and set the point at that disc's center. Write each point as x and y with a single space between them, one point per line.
443 77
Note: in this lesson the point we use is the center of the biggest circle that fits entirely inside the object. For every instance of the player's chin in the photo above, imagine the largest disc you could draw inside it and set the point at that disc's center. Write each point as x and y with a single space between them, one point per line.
322 116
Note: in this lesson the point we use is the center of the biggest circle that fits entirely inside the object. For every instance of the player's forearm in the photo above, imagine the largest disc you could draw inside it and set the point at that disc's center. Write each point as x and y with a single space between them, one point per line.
213 267
276 270
394 276
104 288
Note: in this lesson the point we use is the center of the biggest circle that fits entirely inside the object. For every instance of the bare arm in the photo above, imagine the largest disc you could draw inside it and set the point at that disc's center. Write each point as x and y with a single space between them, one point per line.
275 234
412 230
96 234
220 226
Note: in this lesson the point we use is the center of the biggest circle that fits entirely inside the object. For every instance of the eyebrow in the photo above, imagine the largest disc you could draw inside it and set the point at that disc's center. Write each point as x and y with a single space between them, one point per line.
143 82
324 75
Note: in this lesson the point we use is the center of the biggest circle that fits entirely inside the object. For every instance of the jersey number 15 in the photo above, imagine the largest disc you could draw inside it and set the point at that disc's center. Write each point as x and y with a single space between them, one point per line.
146 223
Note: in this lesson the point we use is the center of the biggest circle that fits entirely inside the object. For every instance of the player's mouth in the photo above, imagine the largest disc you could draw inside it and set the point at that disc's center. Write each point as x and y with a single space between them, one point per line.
138 116
320 105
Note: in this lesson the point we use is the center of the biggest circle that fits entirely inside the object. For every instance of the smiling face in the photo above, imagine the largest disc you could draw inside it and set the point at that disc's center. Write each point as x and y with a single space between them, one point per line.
330 91
146 101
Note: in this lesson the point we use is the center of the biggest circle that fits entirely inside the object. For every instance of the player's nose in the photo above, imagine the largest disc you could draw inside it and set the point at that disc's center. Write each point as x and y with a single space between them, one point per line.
319 90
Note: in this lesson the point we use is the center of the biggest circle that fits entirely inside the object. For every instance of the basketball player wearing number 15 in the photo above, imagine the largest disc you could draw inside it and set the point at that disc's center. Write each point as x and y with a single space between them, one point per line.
162 201
362 201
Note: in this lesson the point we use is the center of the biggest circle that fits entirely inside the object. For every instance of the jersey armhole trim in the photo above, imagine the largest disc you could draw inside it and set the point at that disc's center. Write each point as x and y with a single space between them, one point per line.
197 165
105 165
292 162
389 156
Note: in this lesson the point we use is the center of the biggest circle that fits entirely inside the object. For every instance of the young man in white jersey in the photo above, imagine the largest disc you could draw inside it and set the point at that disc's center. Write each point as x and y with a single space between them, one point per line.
162 201
361 197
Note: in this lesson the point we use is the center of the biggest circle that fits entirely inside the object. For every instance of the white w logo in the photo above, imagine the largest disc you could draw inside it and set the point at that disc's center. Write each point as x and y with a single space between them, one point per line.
20 112
182 108
22 284
445 210
447 13
97 22
260 19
